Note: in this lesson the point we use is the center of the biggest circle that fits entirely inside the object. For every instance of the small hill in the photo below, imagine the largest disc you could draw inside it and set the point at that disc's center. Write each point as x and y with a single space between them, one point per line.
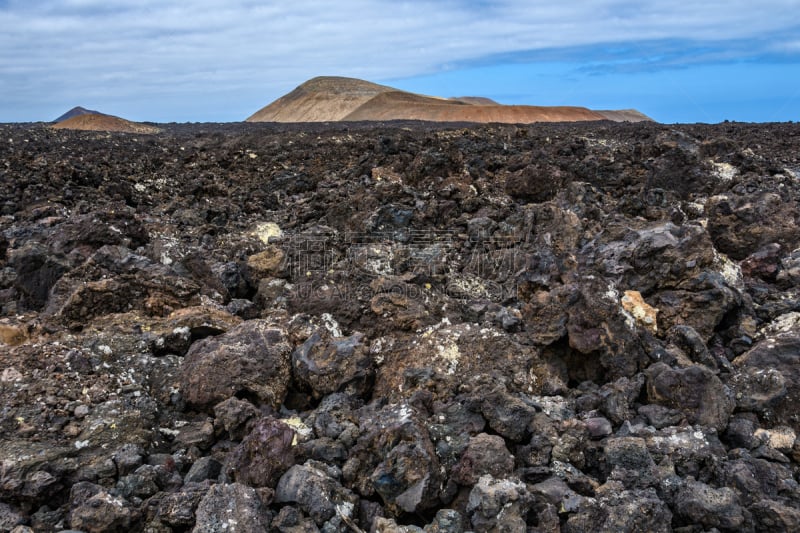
476 100
76 112
625 115
331 98
95 122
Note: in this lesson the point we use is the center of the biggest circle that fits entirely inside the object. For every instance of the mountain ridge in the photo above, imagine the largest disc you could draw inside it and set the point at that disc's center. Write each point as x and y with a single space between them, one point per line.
337 98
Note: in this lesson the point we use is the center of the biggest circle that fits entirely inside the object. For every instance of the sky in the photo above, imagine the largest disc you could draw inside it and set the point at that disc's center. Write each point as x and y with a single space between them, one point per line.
215 61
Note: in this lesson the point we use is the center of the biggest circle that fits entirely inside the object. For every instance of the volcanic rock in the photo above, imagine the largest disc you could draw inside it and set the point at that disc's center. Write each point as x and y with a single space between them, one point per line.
400 327
318 495
225 507
264 455
252 360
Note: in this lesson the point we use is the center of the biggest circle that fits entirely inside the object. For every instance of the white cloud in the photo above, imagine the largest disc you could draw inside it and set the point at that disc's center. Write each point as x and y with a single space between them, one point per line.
124 50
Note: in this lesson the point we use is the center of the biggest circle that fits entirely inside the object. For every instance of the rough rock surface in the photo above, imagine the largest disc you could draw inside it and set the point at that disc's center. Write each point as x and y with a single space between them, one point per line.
400 327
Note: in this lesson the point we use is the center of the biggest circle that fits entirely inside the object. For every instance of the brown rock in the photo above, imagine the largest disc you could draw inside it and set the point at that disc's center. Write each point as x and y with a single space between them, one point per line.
694 390
264 454
252 360
485 454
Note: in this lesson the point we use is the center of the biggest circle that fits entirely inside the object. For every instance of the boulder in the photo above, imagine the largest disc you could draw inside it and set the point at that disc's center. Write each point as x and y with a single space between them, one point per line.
317 494
699 503
485 454
326 365
227 507
498 505
250 360
694 390
264 454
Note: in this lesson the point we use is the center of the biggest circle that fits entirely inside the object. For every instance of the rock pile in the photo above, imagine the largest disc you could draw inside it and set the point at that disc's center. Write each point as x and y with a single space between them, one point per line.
395 328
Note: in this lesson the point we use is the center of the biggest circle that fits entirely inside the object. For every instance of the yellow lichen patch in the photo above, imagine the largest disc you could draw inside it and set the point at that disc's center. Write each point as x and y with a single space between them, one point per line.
386 174
301 431
12 335
267 263
451 355
644 313
267 231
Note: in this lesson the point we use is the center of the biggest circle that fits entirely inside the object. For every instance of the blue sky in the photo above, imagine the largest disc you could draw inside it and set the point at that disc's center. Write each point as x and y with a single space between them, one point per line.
170 60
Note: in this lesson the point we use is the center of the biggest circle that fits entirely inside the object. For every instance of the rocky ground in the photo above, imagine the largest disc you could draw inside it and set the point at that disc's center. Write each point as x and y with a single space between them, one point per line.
400 327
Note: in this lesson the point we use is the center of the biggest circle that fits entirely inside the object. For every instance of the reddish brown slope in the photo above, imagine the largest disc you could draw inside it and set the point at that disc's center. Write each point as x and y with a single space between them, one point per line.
321 99
92 122
329 99
406 106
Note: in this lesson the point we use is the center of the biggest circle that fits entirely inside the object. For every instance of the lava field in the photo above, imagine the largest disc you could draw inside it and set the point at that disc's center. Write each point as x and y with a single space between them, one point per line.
400 327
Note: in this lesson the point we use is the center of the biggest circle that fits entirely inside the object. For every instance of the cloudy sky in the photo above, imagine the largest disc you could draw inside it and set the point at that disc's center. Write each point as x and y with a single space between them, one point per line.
209 60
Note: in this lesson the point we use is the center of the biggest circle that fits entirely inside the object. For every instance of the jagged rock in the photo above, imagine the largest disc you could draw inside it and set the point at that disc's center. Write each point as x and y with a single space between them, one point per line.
268 263
10 517
781 438
185 326
226 507
508 415
599 329
768 368
235 416
177 509
102 512
702 504
327 365
770 515
758 389
498 505
291 520
694 390
615 344
114 280
629 461
36 272
203 469
446 521
659 416
536 182
789 274
692 344
318 495
142 484
616 509
764 263
396 460
440 359
598 427
485 454
741 224
689 449
252 359
199 434
264 455
617 398
740 433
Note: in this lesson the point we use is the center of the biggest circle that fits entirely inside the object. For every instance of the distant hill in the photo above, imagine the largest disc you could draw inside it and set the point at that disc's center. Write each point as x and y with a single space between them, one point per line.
332 98
99 122
625 115
323 99
76 112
